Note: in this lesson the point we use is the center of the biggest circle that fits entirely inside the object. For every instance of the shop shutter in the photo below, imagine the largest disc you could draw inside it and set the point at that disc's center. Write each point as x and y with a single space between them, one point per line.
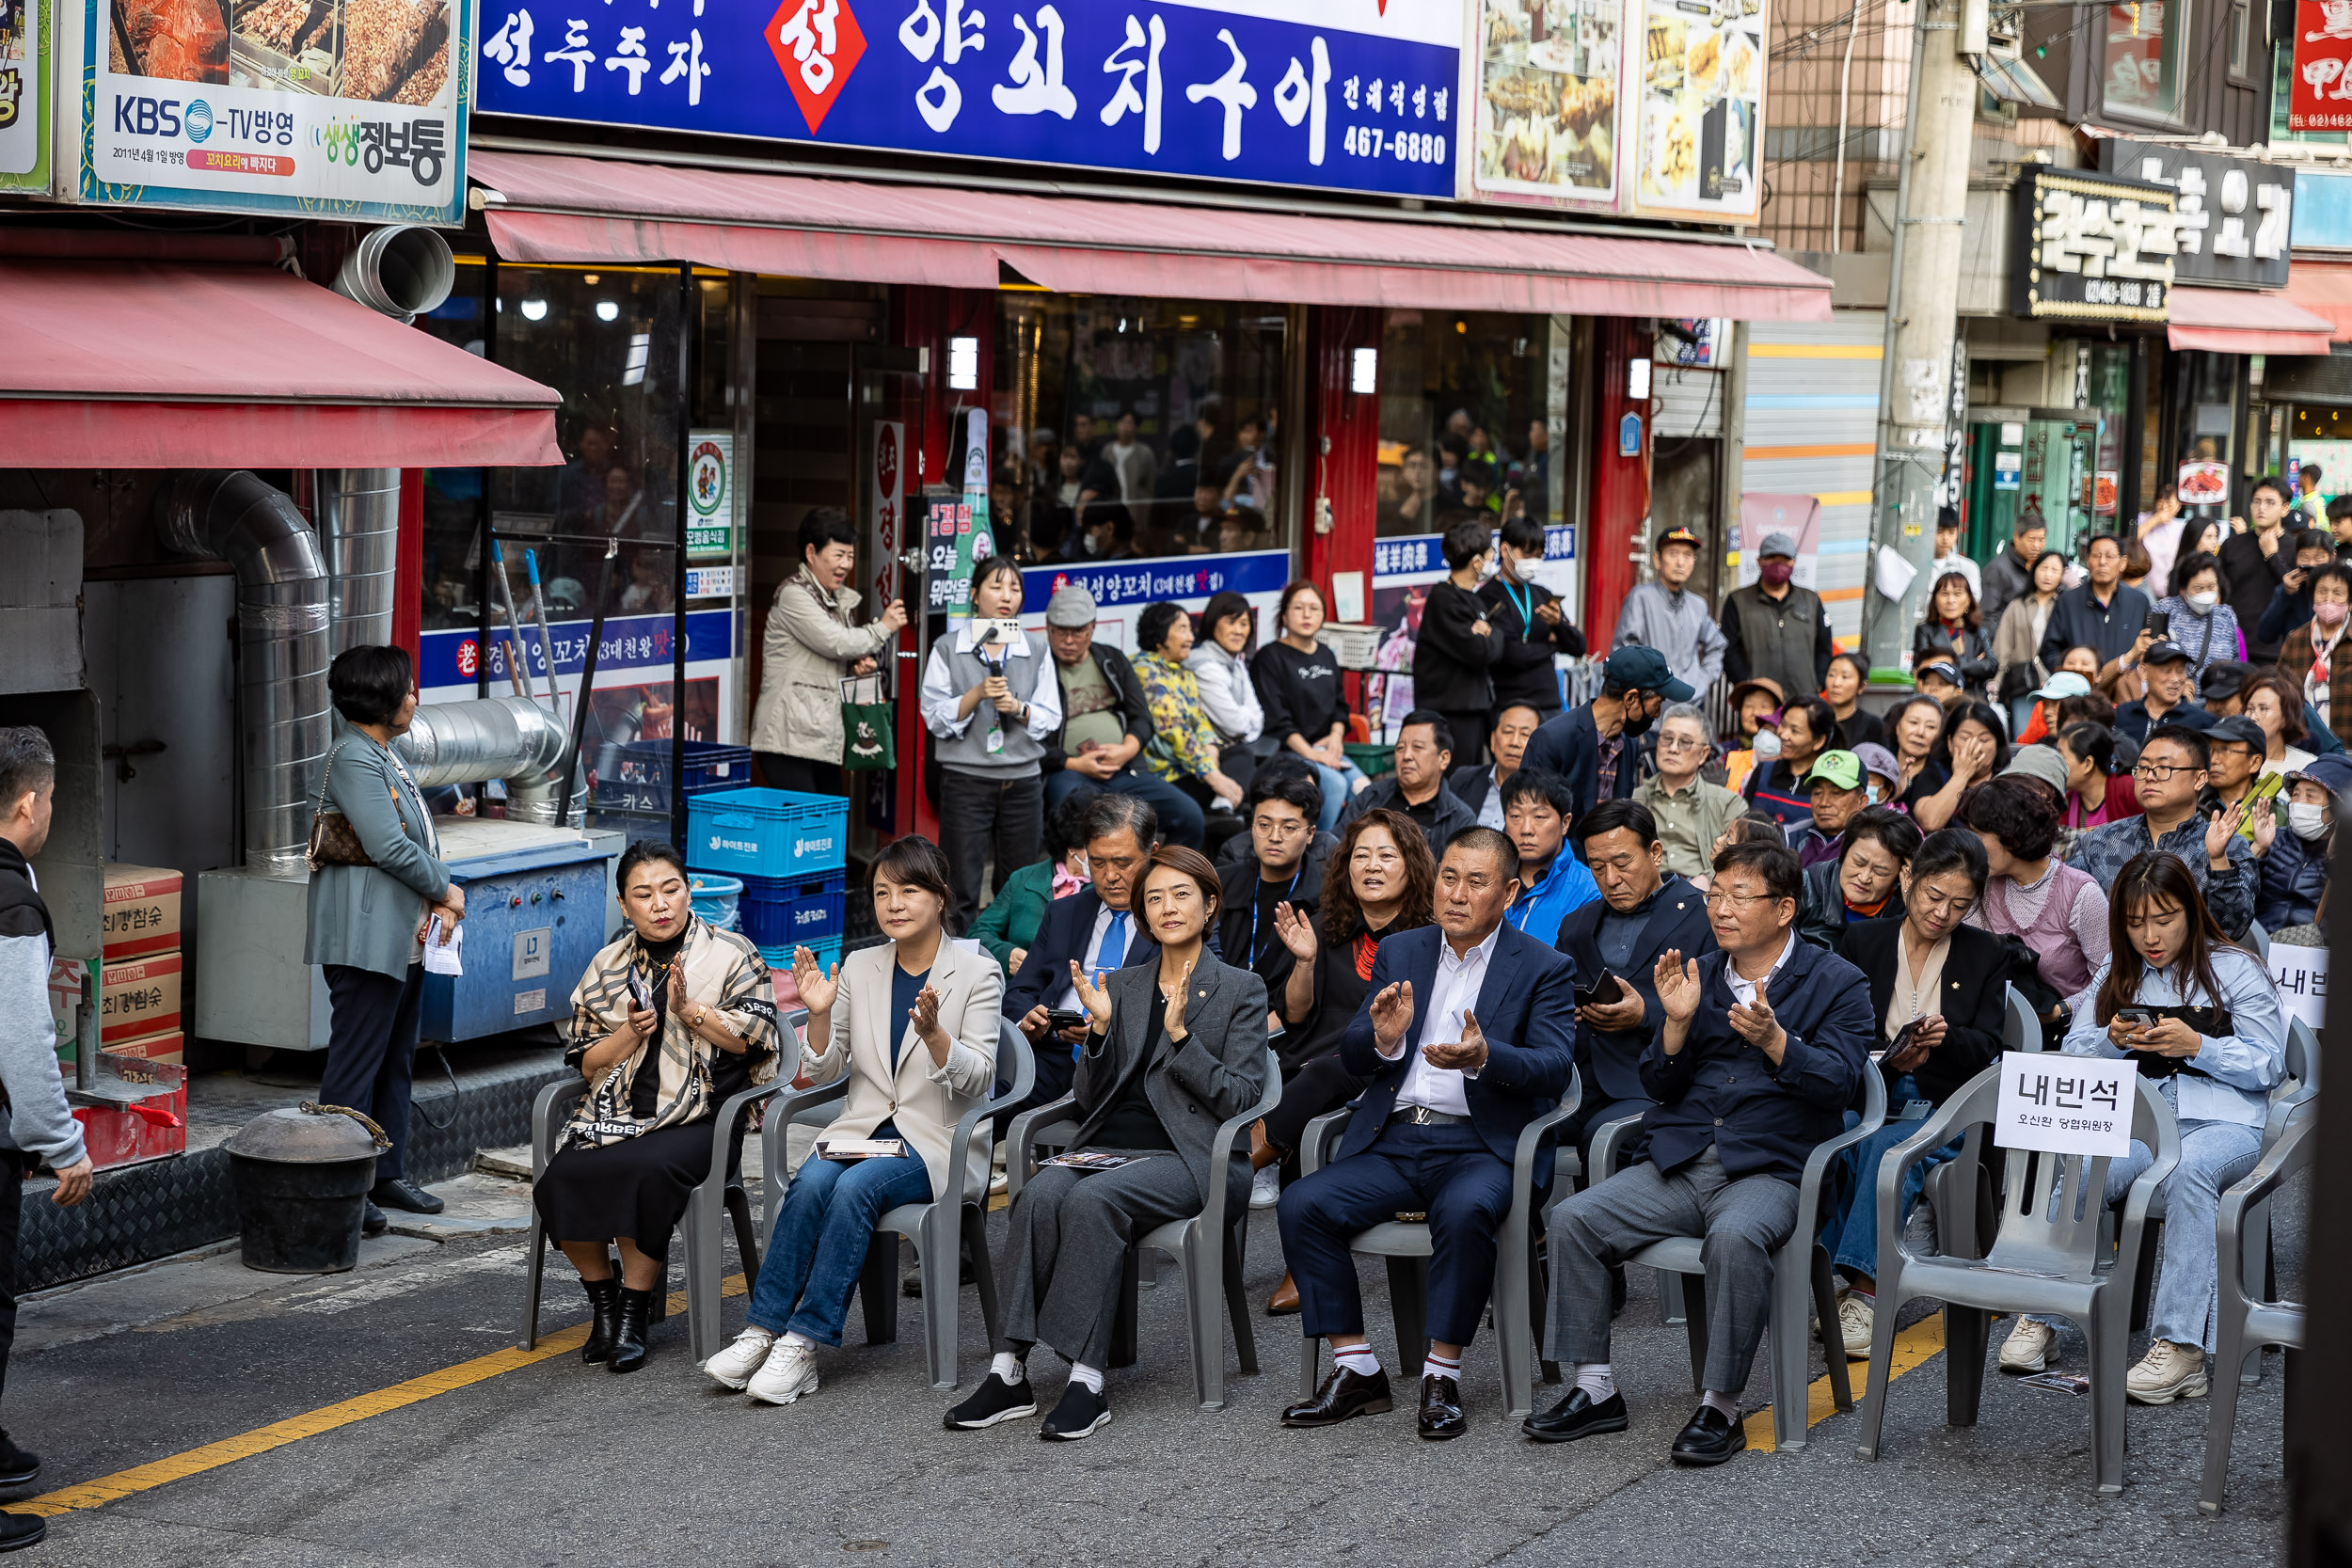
1690 402
1811 429
2309 379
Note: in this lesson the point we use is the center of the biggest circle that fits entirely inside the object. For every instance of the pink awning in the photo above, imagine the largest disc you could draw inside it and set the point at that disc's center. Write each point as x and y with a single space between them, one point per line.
2325 288
581 211
2225 321
116 364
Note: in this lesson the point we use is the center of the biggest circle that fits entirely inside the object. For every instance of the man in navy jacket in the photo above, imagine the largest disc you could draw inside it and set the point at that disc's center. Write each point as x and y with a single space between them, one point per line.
1464 1034
1761 1050
1605 734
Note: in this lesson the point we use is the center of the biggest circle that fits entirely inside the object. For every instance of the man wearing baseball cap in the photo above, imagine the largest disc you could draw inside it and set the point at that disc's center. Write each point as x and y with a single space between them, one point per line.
2168 701
1776 628
1106 722
1665 615
1840 789
1597 747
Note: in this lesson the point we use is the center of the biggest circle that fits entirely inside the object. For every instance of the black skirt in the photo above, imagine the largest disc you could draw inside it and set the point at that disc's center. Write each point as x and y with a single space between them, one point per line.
637 1188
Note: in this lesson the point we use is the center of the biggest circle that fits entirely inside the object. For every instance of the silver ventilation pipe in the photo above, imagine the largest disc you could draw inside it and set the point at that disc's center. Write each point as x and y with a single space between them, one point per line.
283 647
493 738
402 270
358 512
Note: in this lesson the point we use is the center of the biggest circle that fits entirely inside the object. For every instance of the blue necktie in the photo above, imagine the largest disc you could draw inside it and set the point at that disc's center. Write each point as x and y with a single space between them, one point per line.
1111 954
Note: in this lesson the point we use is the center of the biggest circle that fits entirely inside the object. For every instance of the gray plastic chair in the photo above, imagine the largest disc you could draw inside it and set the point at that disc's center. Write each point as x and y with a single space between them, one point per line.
2046 1257
1800 1269
720 1192
1210 1275
943 1230
1407 1246
2247 1323
2020 1031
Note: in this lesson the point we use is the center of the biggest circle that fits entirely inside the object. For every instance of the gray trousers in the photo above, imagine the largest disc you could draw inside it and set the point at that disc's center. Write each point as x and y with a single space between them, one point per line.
1069 1234
1743 1222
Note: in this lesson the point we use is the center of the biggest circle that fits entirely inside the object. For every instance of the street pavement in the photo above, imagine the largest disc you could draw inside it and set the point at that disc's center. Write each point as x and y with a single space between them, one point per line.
171 1374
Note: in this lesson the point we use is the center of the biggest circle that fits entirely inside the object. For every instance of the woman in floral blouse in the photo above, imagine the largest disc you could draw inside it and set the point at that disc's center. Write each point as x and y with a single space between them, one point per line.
1185 750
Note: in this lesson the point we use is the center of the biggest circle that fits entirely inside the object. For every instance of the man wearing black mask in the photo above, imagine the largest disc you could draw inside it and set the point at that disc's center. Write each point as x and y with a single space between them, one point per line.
1596 746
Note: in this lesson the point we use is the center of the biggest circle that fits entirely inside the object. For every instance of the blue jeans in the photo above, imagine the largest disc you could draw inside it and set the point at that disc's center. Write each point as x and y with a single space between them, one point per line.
822 1237
1337 784
1181 821
1853 1234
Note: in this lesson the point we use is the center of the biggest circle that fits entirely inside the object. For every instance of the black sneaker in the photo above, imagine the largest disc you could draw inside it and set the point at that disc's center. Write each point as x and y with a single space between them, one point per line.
1079 1413
371 1221
994 1400
19 1530
401 1192
16 1467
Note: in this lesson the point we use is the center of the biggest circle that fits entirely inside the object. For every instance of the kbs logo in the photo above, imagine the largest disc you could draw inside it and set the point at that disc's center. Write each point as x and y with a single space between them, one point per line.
137 116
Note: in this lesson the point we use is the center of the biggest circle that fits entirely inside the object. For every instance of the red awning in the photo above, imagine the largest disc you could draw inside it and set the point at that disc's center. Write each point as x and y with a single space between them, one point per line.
2325 288
581 211
116 364
2228 322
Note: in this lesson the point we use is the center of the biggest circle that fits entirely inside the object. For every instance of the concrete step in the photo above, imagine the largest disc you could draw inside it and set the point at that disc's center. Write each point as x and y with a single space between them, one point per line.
512 1163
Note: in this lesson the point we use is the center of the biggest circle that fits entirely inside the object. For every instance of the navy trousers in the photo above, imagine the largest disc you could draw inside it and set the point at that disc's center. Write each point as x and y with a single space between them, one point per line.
370 1047
1444 1171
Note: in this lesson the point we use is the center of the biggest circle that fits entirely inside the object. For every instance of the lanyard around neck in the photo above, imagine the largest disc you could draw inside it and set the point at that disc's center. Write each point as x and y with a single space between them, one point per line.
1523 600
1256 904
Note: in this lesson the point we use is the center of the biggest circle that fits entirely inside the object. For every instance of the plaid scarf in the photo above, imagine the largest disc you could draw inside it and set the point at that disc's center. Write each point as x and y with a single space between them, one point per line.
722 972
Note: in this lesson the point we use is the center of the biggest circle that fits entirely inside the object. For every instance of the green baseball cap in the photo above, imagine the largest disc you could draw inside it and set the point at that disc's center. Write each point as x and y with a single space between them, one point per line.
1842 768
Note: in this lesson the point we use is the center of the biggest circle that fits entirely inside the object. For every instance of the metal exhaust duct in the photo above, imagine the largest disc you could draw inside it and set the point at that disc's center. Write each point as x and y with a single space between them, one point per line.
402 270
283 647
359 513
492 737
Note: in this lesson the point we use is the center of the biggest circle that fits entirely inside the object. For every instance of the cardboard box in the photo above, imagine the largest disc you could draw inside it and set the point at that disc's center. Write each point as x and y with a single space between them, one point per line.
141 997
166 1047
142 911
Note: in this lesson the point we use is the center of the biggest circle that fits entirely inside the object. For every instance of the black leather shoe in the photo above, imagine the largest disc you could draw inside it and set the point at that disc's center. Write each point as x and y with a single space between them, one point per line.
1576 1416
401 1192
628 1331
1616 1289
994 1400
371 1221
604 1299
1711 1438
1441 1408
19 1530
16 1467
1344 1394
1079 1414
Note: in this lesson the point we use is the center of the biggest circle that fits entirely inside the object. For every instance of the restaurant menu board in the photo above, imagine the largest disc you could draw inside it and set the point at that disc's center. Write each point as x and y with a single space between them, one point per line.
23 74
1548 99
1702 108
351 108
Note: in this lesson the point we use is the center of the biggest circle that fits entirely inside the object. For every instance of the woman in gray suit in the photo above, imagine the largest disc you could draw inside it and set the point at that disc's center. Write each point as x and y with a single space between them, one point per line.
1176 1048
368 923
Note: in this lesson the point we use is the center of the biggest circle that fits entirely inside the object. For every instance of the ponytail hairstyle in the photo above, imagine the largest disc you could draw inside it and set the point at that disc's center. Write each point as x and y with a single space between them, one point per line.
2149 879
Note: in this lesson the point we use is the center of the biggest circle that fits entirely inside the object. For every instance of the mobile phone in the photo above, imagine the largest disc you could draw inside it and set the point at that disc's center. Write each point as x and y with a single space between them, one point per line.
1901 1041
1606 990
2159 622
1067 1018
2138 1017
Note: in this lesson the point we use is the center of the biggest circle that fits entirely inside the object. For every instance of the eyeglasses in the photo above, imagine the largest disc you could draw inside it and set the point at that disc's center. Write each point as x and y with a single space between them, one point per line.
1680 743
1716 896
2156 773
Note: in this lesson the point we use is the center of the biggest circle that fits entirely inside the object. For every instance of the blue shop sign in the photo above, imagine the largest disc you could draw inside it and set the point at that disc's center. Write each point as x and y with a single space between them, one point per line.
1422 554
1116 583
1335 94
454 657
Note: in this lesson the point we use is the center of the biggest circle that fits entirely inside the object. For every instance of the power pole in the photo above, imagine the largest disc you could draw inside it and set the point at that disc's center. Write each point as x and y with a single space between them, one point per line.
1923 292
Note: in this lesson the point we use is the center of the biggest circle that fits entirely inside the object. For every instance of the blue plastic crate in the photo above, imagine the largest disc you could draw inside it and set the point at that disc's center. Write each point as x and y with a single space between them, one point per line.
767 833
781 911
636 777
780 959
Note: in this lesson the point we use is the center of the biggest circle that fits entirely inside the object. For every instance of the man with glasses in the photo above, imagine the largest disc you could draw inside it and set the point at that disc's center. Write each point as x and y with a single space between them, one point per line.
1690 812
1761 1050
2234 749
1598 746
2172 767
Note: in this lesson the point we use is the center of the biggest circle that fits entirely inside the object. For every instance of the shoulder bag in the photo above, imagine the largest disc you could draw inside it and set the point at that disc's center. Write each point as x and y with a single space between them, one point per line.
333 840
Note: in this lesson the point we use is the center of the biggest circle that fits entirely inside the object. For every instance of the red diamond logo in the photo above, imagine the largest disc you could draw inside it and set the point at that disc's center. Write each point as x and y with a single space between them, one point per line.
816 44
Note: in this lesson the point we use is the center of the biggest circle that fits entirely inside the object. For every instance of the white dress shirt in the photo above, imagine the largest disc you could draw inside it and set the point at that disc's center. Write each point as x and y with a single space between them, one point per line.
1743 991
1491 809
1067 997
940 700
1455 992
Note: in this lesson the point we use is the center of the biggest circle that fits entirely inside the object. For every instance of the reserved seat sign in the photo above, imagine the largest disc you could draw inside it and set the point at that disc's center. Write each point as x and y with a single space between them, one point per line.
2058 1104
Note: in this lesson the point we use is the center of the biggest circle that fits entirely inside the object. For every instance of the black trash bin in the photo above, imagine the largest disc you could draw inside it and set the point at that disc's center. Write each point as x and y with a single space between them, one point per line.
302 1176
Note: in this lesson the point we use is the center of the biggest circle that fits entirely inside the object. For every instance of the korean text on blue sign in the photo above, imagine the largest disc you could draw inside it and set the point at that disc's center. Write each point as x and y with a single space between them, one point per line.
631 642
1337 94
1140 583
1422 554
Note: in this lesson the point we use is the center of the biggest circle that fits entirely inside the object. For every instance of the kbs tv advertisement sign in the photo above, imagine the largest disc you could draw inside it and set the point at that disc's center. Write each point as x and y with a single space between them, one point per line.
351 108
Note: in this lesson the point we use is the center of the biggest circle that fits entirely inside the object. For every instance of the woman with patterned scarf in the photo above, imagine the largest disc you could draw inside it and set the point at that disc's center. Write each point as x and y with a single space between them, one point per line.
667 1021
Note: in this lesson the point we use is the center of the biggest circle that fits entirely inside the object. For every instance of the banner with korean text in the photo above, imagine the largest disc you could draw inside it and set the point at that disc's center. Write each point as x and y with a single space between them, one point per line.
2319 93
24 95
1333 94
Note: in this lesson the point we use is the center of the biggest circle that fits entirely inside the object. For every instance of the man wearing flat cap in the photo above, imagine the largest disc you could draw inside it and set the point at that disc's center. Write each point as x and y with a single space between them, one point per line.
1667 616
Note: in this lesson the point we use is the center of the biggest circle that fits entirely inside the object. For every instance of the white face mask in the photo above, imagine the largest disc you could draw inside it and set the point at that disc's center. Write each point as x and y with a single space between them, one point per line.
1767 746
1524 568
2202 603
1091 545
2309 821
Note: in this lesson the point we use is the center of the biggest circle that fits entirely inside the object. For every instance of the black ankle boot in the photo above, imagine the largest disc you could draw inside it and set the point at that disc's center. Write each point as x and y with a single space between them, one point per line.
628 1333
604 1297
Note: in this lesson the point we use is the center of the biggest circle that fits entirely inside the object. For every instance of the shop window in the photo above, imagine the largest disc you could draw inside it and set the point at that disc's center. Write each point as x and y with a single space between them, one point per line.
1462 419
2142 58
453 509
2241 40
1139 427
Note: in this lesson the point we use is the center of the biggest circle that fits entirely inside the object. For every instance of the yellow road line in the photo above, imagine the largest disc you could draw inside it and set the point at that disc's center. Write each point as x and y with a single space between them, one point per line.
1914 1345
211 1456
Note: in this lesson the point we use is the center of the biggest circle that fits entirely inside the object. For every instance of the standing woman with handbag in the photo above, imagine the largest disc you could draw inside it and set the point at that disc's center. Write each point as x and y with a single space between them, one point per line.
990 704
810 647
377 880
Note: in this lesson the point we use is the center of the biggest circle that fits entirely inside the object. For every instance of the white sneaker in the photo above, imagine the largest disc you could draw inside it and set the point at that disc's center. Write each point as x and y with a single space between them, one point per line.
2168 1372
790 1372
734 1365
1265 1188
2028 1347
1856 1317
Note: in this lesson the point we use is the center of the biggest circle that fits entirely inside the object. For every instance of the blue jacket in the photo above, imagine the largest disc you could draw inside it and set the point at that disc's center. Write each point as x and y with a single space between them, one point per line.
2293 876
1570 747
1610 1061
1565 886
1718 1088
1526 1008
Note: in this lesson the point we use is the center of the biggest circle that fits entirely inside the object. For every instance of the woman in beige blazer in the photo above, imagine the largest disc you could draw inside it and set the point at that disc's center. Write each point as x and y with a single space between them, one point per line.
914 1025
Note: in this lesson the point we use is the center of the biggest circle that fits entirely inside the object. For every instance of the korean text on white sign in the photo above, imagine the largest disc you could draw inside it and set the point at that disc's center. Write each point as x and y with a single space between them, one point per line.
2058 1105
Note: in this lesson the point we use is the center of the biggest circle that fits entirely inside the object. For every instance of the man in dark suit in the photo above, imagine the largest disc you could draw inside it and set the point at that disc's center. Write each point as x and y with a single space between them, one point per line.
1643 910
1761 1050
1464 1033
1479 785
1596 747
1279 868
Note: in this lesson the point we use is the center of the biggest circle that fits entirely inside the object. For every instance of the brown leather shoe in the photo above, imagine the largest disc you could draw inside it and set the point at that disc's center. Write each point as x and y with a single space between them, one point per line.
1344 1394
1284 1301
1442 1409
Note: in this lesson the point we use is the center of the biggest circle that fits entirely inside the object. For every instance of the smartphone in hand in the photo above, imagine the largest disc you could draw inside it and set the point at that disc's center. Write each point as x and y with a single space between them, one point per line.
1601 993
